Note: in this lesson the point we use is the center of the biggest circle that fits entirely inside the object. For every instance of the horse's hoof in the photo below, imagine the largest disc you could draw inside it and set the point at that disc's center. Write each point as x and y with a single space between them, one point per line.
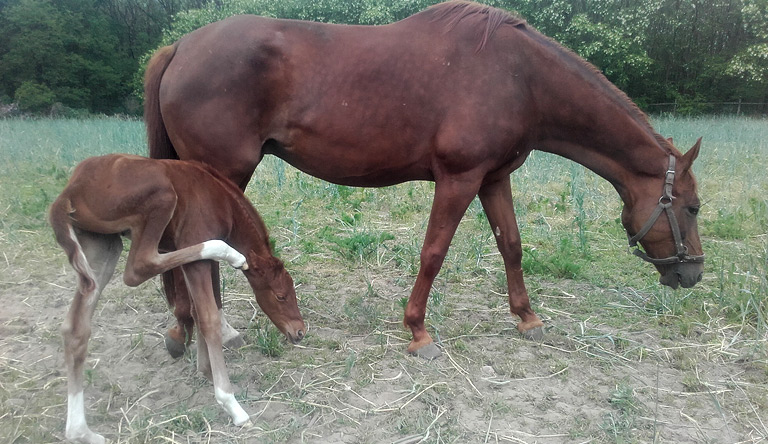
235 342
428 352
175 349
535 334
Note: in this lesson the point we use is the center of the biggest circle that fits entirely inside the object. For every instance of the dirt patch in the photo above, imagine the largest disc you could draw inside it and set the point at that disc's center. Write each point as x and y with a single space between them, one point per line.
350 381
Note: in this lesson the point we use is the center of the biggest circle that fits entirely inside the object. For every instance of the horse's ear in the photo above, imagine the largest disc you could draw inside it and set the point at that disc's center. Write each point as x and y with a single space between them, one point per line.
669 139
690 156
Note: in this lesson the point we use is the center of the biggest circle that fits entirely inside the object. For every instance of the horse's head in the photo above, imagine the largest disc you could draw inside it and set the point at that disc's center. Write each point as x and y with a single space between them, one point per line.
662 218
275 294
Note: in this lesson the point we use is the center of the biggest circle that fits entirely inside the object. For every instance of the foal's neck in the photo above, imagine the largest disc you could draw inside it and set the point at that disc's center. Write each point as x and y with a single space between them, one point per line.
248 232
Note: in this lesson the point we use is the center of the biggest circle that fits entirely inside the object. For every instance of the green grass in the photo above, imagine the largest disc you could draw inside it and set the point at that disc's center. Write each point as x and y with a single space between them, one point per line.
354 254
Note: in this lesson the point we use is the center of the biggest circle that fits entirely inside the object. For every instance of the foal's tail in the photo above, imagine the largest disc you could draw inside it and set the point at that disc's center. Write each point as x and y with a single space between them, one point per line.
58 216
160 146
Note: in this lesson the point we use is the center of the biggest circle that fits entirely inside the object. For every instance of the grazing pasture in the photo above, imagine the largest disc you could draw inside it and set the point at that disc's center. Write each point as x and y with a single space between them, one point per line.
623 360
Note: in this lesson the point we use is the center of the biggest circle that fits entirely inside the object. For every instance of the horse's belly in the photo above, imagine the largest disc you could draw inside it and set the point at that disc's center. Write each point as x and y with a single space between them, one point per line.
355 166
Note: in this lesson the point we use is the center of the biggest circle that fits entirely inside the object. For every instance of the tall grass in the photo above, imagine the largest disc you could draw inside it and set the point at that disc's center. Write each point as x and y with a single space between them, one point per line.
38 155
567 215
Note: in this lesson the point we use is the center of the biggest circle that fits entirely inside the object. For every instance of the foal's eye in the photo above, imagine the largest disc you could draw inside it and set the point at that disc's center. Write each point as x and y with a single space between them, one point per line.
693 210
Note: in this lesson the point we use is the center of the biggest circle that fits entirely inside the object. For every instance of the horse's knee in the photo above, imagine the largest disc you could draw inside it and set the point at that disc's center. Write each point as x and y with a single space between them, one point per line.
431 261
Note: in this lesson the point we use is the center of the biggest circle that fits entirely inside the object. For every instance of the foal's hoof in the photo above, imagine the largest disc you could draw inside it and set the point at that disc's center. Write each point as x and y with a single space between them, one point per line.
234 342
535 334
428 352
175 349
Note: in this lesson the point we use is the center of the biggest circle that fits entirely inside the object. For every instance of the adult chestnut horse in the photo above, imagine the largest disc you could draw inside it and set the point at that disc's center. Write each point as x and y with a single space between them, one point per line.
458 94
177 207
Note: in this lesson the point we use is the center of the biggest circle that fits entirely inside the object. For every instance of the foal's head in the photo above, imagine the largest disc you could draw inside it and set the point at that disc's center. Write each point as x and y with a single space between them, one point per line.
663 219
274 291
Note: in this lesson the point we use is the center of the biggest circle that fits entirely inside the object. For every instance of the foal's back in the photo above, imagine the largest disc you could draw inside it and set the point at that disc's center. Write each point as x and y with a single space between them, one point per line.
110 194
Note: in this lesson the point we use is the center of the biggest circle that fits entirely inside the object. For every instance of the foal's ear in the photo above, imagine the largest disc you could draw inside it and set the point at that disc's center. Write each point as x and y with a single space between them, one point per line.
687 160
263 265
257 263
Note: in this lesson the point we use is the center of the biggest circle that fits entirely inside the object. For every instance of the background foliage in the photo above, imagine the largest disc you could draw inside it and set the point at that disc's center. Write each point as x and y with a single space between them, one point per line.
87 54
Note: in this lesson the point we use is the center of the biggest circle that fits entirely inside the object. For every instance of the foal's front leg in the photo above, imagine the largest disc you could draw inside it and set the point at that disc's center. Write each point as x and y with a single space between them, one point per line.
178 337
209 348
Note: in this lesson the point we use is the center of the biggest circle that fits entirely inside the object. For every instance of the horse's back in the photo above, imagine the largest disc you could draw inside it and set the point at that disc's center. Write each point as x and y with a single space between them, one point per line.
356 105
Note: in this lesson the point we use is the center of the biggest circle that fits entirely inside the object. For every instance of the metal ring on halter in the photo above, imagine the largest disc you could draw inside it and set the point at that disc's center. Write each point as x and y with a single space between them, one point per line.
665 205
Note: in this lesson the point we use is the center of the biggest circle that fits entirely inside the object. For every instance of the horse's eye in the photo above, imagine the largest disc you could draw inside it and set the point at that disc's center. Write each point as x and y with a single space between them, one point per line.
693 210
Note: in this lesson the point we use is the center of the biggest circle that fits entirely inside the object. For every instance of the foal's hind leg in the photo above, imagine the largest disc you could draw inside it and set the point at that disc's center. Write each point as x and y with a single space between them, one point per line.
496 198
102 253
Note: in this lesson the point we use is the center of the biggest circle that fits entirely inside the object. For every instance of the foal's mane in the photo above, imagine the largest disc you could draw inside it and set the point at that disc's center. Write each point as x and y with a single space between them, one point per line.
454 12
235 194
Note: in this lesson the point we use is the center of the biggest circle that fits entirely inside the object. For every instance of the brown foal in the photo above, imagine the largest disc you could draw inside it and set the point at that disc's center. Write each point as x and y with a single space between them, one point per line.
194 216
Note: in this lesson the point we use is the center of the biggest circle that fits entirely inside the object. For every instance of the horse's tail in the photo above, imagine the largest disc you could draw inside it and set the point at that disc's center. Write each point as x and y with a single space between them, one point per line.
160 146
59 218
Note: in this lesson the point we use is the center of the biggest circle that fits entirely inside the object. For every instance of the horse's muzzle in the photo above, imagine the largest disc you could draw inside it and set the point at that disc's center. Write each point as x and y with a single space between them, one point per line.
685 274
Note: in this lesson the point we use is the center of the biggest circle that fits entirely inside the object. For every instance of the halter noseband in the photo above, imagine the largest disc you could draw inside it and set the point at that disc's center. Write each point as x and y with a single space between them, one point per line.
665 204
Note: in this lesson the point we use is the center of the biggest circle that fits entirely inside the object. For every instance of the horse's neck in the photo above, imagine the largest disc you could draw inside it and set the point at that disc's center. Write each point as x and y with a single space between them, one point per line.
616 145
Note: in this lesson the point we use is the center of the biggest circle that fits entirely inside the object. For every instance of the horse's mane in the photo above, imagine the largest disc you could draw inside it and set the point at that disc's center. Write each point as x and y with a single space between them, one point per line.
255 222
454 12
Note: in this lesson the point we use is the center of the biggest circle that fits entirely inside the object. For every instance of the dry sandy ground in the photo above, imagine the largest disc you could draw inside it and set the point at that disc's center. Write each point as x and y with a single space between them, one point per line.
350 380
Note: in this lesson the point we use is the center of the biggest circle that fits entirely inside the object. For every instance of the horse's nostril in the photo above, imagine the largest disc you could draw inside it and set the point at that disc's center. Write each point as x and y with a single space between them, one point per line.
300 334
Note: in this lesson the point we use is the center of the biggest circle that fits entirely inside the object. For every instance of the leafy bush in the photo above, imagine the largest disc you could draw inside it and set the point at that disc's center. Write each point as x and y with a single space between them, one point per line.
34 97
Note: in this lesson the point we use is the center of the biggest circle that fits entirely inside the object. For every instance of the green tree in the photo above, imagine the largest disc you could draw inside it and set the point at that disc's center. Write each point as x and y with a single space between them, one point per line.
34 97
751 62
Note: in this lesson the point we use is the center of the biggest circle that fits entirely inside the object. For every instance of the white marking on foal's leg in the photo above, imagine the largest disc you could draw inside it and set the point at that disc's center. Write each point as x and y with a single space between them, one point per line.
230 404
77 430
221 251
83 265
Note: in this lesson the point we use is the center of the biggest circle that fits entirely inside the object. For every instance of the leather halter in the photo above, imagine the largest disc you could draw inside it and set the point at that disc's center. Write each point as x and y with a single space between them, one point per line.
665 205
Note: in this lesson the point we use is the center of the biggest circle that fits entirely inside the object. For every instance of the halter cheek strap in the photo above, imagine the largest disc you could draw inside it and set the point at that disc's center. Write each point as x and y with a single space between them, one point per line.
665 205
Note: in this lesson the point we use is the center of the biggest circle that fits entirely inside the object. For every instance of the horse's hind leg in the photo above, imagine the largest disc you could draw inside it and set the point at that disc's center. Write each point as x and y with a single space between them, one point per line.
496 198
101 253
178 337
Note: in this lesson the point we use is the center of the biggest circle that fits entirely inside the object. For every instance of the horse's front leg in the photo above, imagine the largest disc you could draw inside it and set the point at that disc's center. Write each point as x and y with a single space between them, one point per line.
496 198
210 354
452 197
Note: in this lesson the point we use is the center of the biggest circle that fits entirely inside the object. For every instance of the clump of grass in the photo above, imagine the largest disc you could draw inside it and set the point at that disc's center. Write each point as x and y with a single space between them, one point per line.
620 424
564 262
266 338
363 314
